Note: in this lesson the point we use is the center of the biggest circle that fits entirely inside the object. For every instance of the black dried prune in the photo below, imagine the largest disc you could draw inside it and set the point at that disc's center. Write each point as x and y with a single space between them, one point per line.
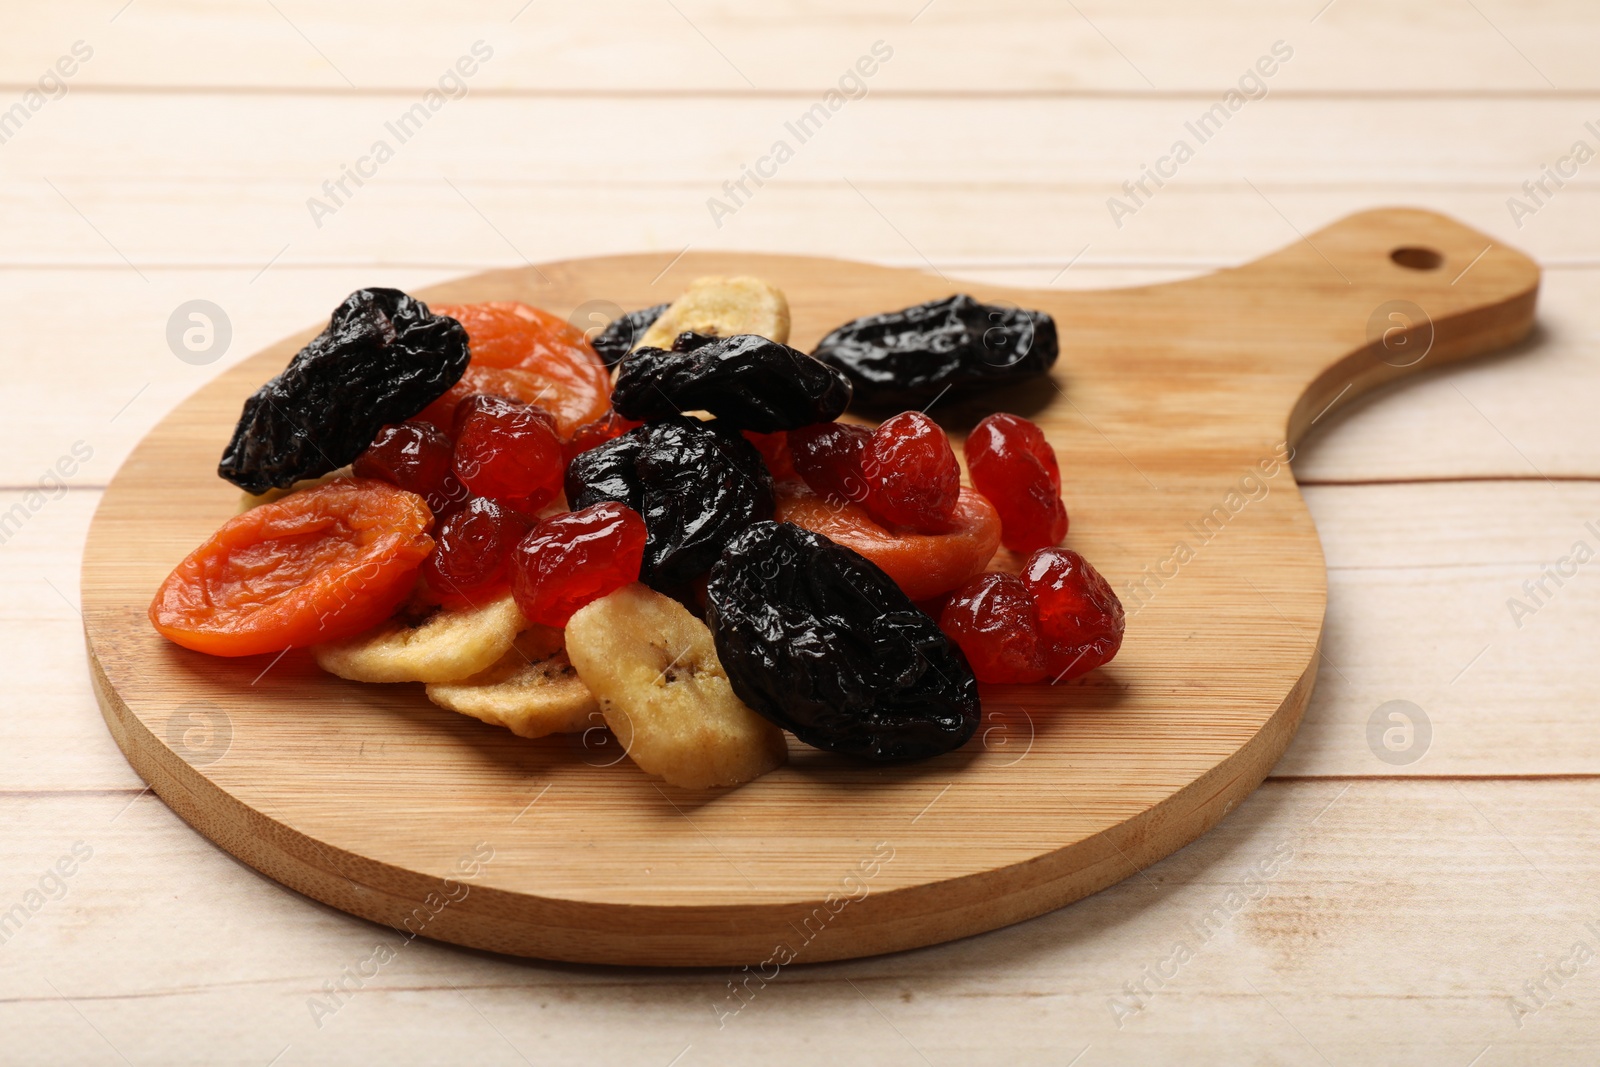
903 359
383 358
688 341
819 640
695 486
746 381
623 332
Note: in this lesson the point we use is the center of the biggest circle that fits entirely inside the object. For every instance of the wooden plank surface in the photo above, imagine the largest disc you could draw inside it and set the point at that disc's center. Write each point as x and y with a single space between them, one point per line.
944 46
1345 922
1400 938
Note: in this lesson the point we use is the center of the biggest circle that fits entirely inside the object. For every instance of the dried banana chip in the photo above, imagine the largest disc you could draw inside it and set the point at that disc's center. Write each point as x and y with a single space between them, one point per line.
442 646
532 691
723 307
654 669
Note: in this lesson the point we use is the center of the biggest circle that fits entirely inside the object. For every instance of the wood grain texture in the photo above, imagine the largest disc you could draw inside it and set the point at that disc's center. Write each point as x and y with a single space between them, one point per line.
1382 933
1163 420
949 46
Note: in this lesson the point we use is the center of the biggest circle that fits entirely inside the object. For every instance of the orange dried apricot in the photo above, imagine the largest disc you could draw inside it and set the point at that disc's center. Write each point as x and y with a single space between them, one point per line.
528 354
922 564
317 565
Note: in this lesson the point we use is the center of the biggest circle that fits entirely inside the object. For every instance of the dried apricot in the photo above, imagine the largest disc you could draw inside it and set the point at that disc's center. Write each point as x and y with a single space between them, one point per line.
540 358
923 565
317 565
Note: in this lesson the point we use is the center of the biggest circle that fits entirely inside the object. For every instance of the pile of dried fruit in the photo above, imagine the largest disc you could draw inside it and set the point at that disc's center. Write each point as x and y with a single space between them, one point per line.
666 529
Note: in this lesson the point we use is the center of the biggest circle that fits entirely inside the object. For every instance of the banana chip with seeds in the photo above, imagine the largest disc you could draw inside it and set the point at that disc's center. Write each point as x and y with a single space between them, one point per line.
533 690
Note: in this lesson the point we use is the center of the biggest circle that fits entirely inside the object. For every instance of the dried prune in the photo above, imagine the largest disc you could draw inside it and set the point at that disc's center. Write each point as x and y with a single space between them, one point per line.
695 486
383 358
688 341
903 359
623 332
821 641
746 381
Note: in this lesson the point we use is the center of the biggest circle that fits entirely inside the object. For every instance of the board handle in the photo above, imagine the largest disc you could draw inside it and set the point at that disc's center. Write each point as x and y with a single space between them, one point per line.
1383 294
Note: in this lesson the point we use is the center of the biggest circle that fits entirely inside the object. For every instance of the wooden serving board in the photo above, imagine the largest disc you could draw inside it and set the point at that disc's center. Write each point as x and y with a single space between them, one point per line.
1172 408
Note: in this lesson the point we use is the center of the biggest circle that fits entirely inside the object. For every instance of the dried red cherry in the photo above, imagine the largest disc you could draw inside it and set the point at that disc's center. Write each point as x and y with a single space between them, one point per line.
827 456
994 620
415 456
911 474
571 559
508 450
470 563
1080 618
1013 465
598 432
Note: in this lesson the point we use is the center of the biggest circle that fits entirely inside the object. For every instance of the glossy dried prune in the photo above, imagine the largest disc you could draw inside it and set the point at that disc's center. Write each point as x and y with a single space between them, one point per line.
688 341
383 358
821 641
747 382
695 486
623 332
903 359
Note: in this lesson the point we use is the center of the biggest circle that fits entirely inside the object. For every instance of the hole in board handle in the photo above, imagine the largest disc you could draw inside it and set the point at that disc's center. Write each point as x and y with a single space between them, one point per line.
1413 258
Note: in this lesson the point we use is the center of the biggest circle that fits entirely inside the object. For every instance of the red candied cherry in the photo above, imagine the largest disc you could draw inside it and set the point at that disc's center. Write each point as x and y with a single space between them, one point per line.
827 457
508 450
1013 465
911 474
1080 618
414 456
994 620
571 559
471 559
596 433
774 449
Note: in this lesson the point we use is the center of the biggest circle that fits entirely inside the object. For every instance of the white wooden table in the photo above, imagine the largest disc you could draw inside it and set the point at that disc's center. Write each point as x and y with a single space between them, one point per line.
1360 911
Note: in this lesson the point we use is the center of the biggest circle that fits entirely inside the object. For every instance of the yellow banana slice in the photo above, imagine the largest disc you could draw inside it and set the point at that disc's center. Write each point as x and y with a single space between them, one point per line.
444 646
723 307
532 690
654 669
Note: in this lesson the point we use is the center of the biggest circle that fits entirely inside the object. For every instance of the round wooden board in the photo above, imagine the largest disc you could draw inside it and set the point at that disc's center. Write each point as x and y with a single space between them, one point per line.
1170 409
